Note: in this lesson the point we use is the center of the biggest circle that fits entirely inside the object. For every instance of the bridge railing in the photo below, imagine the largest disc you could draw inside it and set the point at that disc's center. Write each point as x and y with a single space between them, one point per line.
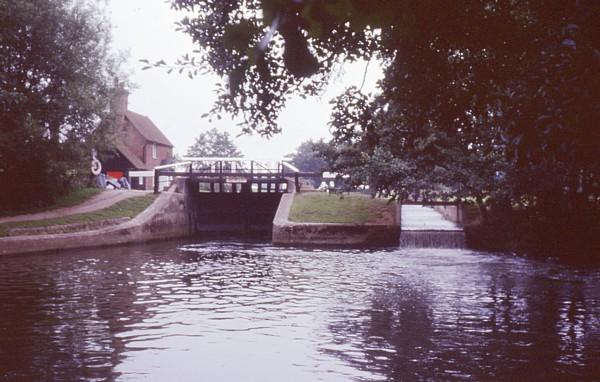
162 178
231 170
226 165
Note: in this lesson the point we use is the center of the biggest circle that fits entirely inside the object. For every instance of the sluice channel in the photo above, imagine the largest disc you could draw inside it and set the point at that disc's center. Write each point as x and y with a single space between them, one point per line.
424 227
432 239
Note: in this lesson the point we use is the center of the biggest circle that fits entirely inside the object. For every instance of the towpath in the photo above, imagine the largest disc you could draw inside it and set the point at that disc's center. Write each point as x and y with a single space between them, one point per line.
103 200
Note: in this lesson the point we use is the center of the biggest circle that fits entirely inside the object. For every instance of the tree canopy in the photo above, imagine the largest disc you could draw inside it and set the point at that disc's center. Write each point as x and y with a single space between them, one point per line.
494 100
309 156
214 143
56 83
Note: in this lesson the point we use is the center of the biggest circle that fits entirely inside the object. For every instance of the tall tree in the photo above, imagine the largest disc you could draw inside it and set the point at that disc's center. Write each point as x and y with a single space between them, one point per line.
495 100
308 156
214 143
56 83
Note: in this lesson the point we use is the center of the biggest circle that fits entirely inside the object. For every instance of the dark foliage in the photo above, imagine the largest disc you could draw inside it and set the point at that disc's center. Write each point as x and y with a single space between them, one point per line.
309 156
56 79
491 101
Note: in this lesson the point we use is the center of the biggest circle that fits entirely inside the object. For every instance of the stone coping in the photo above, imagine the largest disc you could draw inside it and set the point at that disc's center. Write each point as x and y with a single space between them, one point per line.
64 228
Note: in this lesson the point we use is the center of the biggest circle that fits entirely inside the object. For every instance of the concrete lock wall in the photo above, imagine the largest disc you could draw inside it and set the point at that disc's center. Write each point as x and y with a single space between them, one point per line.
451 213
291 233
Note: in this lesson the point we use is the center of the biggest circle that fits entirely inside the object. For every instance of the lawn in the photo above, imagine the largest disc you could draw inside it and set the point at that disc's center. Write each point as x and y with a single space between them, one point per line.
72 199
350 209
126 208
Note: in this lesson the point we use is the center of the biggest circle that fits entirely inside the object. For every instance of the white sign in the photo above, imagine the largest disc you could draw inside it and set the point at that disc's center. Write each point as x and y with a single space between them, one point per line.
235 180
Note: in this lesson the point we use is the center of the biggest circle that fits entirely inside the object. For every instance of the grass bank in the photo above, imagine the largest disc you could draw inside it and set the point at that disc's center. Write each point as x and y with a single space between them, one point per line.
348 209
130 207
72 199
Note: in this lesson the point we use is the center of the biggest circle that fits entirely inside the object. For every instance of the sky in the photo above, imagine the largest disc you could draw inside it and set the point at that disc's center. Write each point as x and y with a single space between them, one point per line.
145 29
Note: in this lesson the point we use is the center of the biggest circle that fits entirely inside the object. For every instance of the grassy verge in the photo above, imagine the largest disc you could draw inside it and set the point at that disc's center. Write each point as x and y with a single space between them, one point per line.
126 208
72 199
349 209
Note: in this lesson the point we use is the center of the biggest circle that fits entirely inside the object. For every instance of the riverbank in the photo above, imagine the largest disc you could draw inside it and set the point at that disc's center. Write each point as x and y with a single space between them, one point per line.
163 219
85 201
73 198
573 237
301 219
384 232
319 219
100 212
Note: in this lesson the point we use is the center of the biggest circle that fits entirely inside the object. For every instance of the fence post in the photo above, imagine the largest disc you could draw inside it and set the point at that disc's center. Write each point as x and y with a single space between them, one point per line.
297 182
156 180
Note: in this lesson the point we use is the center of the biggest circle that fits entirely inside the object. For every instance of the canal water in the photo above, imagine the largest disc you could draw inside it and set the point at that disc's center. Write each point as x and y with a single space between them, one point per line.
228 311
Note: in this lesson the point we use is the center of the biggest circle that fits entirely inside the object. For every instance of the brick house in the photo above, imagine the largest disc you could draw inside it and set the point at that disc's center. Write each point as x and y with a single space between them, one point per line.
140 146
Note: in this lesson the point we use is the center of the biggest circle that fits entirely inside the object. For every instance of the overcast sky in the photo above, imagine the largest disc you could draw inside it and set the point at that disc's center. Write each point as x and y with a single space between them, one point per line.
145 29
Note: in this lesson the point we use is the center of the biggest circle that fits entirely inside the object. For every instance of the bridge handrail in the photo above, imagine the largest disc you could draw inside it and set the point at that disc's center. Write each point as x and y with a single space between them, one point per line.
161 167
260 170
290 166
243 162
263 167
216 159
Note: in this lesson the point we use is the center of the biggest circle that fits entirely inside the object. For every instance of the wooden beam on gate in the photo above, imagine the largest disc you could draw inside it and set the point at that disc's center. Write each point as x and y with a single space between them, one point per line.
197 174
310 174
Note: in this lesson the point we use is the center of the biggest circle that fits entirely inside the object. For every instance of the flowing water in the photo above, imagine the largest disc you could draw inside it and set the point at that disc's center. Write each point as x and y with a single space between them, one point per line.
227 311
423 227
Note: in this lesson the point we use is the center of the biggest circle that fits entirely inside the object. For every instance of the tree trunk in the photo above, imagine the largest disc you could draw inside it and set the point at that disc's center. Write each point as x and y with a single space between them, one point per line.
482 209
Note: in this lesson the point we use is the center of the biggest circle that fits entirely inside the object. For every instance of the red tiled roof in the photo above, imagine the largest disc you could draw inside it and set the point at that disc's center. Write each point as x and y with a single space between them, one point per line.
131 157
147 128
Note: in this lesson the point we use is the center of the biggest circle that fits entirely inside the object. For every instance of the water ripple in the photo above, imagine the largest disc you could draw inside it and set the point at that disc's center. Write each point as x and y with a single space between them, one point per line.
231 311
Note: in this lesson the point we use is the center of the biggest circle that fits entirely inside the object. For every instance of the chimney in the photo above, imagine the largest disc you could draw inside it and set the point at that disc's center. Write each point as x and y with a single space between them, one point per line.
119 103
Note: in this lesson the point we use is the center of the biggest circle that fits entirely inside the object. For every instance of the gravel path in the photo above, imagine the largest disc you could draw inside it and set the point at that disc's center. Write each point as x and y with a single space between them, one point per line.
98 202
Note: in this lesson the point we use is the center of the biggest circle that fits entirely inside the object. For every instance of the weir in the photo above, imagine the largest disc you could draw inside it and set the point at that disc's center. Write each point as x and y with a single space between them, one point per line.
424 227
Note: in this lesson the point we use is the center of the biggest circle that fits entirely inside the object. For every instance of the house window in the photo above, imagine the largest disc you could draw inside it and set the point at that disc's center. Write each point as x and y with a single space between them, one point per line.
154 151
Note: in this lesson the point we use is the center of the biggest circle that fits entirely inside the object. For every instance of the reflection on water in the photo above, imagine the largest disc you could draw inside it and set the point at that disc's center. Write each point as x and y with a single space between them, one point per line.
224 311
